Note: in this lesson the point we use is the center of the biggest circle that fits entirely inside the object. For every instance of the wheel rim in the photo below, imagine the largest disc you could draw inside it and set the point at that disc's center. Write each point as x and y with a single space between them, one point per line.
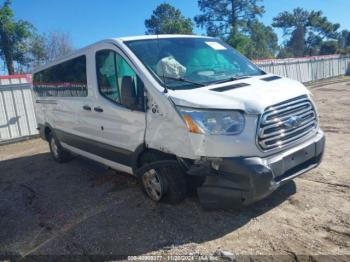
153 185
54 148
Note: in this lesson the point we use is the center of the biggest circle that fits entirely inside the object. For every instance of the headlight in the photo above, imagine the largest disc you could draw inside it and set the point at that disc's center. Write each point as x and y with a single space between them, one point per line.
212 122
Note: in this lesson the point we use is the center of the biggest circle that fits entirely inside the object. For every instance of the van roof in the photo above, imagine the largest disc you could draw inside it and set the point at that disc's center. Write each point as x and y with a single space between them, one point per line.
145 37
118 39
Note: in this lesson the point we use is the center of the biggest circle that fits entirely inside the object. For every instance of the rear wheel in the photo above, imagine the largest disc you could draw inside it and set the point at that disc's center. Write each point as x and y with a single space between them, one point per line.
58 153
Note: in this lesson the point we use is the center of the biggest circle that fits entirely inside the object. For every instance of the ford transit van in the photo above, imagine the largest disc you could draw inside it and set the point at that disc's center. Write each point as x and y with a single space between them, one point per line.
183 114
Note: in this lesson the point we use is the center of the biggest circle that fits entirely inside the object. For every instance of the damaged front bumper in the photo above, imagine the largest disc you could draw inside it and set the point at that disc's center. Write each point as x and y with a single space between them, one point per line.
240 181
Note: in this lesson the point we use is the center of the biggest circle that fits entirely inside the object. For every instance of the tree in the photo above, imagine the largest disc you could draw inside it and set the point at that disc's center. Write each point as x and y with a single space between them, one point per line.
240 42
344 39
45 48
235 21
264 41
329 47
13 37
37 54
294 24
313 44
166 19
225 18
58 44
284 53
297 43
299 23
256 41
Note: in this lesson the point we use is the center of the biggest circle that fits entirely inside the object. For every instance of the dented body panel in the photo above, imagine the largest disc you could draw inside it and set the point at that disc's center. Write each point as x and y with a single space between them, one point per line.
252 100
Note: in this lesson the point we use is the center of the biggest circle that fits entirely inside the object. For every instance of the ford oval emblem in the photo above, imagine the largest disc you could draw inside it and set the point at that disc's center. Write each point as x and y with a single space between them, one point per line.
293 122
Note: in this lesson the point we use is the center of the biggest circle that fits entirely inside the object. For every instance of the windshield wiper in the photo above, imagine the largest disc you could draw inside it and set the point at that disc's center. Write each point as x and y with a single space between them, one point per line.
231 79
181 79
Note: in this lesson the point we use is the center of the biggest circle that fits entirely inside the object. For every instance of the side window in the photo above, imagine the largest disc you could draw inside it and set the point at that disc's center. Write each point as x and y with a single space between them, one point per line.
67 79
117 81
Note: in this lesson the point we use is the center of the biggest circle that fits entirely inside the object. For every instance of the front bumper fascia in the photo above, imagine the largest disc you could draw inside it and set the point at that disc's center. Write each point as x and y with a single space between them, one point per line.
240 181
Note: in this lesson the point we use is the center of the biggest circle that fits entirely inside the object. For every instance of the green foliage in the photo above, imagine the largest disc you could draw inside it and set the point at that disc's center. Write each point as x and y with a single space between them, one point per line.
289 22
344 39
37 52
344 42
313 44
344 51
300 23
240 42
285 53
264 41
257 41
297 43
235 21
21 45
322 26
329 47
13 37
225 18
166 19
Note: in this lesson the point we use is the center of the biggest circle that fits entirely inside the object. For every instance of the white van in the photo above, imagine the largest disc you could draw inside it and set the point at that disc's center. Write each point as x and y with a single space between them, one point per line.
180 113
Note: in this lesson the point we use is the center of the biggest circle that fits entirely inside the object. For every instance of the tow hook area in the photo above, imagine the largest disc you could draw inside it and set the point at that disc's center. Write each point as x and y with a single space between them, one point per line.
237 182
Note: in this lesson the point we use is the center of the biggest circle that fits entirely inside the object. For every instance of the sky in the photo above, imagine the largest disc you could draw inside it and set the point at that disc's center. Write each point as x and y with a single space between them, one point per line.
88 21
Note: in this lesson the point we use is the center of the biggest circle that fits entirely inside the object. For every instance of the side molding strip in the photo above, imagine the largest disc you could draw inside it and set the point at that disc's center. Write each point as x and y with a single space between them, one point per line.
112 153
99 159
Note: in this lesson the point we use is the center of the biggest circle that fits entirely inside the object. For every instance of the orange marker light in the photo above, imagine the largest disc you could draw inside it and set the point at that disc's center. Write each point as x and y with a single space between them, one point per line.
192 125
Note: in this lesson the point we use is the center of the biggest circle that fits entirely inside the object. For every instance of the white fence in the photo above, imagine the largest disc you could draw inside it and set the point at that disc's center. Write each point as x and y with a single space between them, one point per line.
17 118
307 69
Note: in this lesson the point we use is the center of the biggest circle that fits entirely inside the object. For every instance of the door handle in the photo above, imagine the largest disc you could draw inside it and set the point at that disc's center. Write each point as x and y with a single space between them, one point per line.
98 109
87 108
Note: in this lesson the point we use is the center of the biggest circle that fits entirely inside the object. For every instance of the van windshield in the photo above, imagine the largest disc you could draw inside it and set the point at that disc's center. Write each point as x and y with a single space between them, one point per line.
186 63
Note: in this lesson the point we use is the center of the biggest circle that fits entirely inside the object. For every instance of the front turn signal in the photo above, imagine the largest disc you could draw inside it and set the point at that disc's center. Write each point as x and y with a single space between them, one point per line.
192 126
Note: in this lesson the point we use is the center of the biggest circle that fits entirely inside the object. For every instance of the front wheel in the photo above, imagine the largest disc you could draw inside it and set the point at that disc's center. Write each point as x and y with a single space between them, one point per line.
153 185
164 181
58 153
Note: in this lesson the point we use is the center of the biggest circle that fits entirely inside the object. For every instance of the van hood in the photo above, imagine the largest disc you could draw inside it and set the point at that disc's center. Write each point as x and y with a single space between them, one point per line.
253 97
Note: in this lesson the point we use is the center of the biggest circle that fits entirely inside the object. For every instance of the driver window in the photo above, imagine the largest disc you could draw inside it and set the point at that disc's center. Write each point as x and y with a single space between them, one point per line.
117 81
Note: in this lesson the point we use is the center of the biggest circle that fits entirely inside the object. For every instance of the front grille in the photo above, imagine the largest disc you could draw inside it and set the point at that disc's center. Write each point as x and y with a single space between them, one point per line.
286 122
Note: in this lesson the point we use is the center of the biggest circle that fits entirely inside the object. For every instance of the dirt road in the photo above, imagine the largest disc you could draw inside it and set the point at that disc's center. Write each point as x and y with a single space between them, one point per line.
83 208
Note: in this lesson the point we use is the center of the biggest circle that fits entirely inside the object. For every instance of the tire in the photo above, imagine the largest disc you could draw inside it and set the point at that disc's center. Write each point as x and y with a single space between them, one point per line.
164 181
57 152
193 183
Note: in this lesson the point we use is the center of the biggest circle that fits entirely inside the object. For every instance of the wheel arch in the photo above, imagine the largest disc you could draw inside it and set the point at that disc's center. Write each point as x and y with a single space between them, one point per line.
142 153
44 130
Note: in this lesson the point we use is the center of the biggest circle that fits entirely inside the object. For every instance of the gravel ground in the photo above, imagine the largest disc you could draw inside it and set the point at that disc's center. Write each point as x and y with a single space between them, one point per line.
82 208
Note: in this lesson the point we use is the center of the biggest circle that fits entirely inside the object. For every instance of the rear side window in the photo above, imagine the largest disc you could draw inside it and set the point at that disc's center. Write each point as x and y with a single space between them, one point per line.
67 79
